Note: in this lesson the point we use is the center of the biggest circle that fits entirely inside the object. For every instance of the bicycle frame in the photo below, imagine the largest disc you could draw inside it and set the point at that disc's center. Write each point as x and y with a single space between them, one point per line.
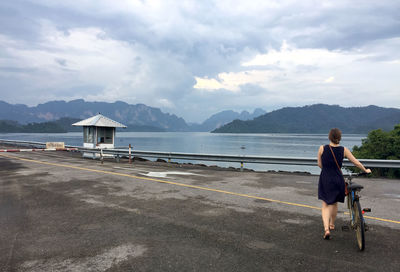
357 222
353 196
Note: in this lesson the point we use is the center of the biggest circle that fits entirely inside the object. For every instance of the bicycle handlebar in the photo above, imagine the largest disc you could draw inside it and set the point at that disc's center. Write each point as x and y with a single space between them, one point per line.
351 175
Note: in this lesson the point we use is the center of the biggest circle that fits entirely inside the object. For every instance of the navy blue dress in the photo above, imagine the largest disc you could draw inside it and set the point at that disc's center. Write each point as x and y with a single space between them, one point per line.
331 183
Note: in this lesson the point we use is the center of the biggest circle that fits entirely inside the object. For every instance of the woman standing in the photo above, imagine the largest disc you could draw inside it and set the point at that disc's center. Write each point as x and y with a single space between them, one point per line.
331 188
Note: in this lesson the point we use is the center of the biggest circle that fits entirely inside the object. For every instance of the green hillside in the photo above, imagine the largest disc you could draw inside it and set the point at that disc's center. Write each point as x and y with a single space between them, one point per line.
59 126
317 118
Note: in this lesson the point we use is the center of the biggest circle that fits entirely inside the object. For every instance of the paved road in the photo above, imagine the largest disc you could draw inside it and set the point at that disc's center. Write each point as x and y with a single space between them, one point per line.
59 212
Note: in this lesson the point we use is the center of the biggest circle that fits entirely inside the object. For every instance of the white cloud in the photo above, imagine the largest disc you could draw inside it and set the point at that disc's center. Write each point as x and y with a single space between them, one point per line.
289 56
208 84
299 76
165 103
77 58
278 68
232 81
88 57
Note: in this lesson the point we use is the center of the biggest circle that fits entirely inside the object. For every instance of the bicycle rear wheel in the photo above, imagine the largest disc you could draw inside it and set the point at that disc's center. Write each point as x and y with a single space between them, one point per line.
359 225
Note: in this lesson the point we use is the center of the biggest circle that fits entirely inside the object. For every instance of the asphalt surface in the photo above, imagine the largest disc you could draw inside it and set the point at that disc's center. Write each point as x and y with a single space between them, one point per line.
60 212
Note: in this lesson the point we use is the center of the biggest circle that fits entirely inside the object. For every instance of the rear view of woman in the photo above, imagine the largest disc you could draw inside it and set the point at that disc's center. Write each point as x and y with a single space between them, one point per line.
331 188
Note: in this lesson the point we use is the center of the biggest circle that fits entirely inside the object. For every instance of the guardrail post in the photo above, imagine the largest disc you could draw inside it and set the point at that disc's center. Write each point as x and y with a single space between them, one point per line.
117 158
101 156
130 154
169 158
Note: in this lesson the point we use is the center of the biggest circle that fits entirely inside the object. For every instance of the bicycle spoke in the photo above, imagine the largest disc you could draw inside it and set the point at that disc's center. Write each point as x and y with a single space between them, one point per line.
359 225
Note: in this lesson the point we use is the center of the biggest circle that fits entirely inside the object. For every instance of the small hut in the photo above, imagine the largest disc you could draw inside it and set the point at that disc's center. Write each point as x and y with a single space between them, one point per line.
98 132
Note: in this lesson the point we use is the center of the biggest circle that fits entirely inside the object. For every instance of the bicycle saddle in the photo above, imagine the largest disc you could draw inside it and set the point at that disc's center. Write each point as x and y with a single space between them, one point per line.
355 186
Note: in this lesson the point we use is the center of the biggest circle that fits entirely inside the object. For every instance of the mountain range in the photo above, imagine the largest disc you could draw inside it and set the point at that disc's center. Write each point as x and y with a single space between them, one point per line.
137 117
219 119
318 118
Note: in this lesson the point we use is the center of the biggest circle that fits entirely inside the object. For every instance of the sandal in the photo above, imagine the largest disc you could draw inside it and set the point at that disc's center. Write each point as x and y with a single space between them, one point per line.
327 235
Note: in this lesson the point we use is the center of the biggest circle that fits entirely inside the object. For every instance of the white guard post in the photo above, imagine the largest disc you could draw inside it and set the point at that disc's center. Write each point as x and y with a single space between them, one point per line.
98 133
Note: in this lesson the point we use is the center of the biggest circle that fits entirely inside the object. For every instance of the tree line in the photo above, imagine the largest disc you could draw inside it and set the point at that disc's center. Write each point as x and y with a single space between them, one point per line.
62 125
384 145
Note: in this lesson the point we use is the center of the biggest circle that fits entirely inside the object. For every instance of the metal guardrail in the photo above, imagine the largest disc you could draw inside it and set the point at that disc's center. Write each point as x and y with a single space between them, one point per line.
22 143
248 158
219 157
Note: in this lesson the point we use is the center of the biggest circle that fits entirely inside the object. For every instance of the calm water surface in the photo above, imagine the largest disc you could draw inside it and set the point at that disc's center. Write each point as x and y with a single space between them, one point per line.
287 145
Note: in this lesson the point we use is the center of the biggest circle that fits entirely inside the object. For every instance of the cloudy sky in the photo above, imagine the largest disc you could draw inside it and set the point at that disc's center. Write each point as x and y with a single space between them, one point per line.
196 58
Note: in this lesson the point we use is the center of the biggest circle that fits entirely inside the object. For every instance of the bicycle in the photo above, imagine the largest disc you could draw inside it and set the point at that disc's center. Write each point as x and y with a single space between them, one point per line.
357 222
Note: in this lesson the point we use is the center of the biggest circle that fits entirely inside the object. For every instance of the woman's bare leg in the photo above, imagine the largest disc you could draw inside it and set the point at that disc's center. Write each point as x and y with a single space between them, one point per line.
326 215
333 212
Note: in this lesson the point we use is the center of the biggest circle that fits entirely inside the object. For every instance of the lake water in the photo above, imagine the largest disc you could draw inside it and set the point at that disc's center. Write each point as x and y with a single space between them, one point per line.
286 145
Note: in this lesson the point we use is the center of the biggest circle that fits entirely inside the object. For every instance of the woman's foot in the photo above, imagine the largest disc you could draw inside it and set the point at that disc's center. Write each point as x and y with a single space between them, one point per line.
327 234
331 227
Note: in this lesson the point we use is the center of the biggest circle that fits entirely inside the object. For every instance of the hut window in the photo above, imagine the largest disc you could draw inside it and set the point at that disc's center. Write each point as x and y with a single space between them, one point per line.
105 135
88 134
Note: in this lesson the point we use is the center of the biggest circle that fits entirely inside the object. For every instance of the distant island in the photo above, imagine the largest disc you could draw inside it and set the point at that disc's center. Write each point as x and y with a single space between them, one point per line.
318 118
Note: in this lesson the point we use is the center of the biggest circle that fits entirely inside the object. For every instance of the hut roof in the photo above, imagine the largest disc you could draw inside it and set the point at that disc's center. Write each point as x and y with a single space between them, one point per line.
98 121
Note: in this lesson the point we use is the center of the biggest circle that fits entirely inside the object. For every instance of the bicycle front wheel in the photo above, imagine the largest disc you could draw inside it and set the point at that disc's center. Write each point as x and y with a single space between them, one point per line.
359 225
348 200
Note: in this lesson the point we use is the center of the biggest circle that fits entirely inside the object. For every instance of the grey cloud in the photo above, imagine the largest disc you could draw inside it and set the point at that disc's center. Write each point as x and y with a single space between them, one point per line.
14 23
61 62
17 70
348 22
306 68
379 58
350 25
63 93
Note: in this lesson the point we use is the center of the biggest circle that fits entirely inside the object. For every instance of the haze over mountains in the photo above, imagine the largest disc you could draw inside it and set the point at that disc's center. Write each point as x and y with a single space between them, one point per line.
318 118
137 117
219 119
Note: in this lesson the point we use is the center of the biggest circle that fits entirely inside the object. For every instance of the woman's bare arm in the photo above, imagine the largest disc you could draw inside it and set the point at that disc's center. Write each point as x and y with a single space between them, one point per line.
350 156
320 151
